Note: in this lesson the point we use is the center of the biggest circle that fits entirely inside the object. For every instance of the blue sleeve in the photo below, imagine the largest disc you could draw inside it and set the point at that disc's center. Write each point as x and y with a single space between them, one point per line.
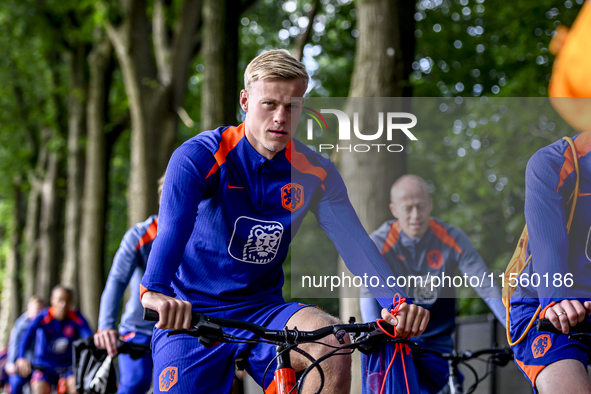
15 336
471 264
124 264
28 336
498 308
338 218
184 187
545 217
371 310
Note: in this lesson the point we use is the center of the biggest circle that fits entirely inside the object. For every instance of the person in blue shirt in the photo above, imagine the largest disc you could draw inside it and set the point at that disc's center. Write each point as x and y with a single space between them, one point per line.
53 330
232 199
552 362
416 244
34 306
128 268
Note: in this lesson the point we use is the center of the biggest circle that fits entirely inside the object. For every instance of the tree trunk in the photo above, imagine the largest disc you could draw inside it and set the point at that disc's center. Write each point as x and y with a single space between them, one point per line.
384 52
93 218
219 94
11 293
32 234
140 78
75 180
49 234
155 83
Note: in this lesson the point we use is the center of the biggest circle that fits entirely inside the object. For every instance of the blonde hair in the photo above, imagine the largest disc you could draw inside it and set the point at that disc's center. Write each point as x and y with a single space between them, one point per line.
35 298
276 63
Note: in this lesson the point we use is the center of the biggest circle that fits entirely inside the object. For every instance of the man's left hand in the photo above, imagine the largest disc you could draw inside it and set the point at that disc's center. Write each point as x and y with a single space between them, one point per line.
410 321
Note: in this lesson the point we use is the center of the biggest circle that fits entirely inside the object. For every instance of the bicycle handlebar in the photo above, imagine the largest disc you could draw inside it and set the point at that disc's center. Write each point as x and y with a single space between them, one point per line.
207 325
136 350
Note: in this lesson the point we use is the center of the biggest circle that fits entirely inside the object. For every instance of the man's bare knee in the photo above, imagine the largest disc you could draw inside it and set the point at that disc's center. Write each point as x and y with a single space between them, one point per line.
565 377
337 370
310 319
40 387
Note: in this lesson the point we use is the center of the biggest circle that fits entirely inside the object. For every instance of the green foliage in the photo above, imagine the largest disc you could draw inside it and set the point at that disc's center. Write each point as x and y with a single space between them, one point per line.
473 48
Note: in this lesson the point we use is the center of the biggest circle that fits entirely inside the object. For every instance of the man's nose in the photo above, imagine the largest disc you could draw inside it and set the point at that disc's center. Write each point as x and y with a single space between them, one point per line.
280 115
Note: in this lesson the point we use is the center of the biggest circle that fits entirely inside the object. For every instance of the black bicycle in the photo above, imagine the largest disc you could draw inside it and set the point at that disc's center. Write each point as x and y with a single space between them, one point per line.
366 337
93 368
491 356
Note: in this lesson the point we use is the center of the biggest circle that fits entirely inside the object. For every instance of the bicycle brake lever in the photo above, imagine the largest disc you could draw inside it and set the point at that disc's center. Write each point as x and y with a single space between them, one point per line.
581 337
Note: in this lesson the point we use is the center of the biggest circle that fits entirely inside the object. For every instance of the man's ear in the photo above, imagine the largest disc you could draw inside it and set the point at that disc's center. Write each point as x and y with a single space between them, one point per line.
244 100
393 210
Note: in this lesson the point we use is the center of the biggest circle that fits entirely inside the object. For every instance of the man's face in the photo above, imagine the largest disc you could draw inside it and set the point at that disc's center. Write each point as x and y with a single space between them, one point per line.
61 303
269 110
412 206
33 308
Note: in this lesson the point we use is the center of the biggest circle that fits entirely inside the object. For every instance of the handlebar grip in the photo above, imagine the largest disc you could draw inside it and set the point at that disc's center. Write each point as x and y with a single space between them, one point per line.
151 315
546 325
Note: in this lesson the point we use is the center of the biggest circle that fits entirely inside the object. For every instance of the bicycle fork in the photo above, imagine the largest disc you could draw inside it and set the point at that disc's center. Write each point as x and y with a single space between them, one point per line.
285 378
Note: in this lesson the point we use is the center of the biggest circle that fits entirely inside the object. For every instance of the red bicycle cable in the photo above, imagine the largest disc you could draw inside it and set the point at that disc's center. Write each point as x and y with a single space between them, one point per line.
397 303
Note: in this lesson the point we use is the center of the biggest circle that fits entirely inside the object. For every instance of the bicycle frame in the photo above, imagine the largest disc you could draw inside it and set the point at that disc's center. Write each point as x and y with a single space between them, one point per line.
284 380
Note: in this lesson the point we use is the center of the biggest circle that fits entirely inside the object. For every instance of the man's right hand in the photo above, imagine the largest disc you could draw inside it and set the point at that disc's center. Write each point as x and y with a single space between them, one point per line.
23 367
174 313
107 339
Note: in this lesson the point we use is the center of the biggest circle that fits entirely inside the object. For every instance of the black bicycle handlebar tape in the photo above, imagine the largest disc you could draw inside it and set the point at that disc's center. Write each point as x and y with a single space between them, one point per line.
546 325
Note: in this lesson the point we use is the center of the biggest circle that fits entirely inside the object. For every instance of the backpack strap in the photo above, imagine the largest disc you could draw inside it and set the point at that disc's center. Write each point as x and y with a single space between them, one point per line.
573 197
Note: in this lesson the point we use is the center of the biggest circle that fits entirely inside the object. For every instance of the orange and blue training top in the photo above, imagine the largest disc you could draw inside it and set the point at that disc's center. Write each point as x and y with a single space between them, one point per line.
128 268
549 184
53 338
440 252
228 215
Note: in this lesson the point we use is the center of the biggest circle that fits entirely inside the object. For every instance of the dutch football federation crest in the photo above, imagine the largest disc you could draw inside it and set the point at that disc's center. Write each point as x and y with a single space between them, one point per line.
255 241
541 345
292 196
60 345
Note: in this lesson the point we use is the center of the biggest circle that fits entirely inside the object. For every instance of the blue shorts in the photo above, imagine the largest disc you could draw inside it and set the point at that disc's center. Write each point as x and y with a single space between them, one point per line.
50 376
136 375
399 378
182 365
540 349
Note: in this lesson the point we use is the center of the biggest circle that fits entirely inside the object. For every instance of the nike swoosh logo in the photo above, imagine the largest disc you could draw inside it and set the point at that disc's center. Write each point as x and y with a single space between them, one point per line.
235 187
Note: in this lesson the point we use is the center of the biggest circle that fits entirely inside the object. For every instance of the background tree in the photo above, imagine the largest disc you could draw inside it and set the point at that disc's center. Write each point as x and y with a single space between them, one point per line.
382 66
154 69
